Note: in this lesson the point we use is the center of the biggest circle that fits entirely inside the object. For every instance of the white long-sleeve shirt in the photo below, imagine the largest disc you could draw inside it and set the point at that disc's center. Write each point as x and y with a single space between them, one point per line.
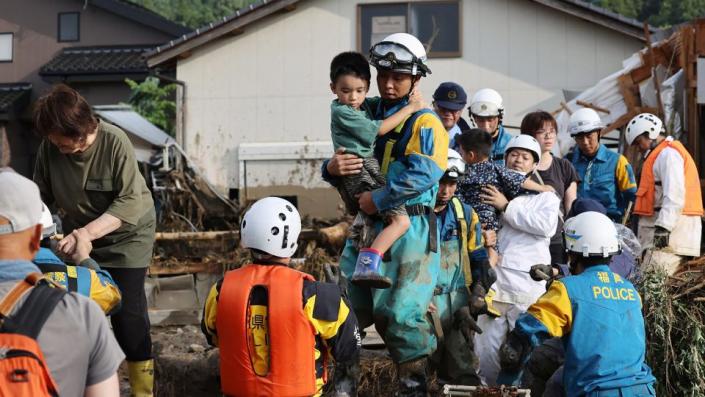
528 223
669 196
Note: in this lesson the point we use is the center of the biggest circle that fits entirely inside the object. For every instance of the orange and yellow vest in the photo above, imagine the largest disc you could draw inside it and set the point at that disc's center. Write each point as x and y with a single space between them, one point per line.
645 196
266 348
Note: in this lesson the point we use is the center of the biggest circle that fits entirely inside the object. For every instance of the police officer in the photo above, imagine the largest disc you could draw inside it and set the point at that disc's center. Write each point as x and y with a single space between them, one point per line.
414 158
86 278
605 175
486 112
463 257
596 312
669 201
291 322
449 100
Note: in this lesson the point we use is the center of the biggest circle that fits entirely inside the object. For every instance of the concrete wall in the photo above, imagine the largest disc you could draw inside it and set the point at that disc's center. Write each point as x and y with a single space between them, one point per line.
270 84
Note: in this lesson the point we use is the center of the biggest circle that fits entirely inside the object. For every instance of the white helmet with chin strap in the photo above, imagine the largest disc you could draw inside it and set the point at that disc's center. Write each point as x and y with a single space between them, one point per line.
486 103
643 123
48 225
456 166
591 234
526 142
272 225
402 53
584 120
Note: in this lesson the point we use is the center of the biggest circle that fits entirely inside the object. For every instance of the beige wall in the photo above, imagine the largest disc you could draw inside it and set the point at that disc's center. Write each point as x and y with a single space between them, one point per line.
270 84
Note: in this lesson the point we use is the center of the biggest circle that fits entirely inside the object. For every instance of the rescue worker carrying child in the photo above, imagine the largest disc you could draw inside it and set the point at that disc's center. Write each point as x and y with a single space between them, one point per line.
291 323
413 156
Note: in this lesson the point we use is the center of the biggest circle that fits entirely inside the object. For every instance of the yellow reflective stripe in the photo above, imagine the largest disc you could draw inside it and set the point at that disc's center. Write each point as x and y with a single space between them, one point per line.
210 312
258 338
463 238
475 239
387 158
326 329
107 295
71 271
554 310
622 175
440 139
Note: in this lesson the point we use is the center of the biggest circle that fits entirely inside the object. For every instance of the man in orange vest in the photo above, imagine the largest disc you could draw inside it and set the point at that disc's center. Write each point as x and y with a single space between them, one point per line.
291 323
669 201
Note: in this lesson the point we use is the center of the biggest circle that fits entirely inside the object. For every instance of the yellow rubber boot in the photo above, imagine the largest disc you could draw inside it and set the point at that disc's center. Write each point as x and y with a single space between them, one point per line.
141 374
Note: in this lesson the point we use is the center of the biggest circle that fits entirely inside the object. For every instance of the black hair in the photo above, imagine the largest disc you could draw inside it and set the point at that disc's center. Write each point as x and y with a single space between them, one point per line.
476 140
350 63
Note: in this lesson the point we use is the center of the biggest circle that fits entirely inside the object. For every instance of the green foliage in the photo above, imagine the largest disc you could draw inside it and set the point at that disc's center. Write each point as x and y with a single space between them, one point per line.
661 13
154 102
194 13
675 333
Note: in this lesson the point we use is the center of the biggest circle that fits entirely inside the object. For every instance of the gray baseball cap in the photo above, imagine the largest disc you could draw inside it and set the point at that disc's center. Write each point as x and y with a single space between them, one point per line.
20 202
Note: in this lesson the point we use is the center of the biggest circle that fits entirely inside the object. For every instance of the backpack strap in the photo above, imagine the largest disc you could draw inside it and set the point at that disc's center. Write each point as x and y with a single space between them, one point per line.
35 310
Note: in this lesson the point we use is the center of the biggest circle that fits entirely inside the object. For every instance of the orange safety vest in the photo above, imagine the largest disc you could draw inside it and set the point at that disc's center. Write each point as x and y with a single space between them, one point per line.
645 196
290 335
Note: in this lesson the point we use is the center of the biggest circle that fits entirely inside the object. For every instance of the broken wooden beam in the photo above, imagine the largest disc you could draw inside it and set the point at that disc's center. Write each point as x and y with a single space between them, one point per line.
592 106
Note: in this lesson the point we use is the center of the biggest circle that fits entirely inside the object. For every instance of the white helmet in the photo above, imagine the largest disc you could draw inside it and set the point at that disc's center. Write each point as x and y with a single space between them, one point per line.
526 142
591 234
645 122
48 225
456 166
400 52
584 120
271 225
486 103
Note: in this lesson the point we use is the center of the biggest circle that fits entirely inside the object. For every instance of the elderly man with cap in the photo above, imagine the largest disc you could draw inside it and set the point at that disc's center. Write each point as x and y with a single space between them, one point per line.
87 366
464 277
448 102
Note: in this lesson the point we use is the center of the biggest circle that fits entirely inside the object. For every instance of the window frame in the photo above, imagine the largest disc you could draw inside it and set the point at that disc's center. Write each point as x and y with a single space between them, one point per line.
409 3
12 47
78 27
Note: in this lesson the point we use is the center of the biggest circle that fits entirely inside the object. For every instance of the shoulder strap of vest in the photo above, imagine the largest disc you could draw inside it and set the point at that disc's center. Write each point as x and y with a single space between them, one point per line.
463 238
35 310
402 133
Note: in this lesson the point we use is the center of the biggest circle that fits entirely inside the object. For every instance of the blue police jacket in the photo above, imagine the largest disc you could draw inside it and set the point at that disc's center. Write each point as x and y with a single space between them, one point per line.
92 282
608 178
598 315
499 145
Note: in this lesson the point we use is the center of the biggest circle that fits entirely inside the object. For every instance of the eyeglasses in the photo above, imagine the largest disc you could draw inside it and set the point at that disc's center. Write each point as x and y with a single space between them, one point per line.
546 134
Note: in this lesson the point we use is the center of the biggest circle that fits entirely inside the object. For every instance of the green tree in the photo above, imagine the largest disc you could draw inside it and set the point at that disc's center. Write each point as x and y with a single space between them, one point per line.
194 13
154 101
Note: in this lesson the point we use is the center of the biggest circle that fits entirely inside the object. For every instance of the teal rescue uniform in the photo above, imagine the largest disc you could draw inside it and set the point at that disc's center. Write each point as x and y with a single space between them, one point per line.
88 279
413 157
461 244
499 145
598 315
608 178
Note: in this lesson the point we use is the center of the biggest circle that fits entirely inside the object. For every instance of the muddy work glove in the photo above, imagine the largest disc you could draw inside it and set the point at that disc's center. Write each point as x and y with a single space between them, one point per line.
483 273
513 352
541 272
661 237
463 321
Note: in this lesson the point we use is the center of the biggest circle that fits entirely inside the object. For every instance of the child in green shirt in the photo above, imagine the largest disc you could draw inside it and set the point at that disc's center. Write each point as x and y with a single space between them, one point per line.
354 128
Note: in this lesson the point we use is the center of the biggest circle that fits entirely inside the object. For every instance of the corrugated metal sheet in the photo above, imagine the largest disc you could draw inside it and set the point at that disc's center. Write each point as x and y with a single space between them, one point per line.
132 123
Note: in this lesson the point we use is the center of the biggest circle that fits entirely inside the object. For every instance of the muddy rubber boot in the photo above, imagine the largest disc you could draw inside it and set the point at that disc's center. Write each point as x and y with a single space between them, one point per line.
141 374
345 378
367 270
413 378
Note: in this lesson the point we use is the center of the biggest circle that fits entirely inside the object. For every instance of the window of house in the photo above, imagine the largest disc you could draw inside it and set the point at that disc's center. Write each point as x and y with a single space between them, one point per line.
436 23
6 47
69 29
